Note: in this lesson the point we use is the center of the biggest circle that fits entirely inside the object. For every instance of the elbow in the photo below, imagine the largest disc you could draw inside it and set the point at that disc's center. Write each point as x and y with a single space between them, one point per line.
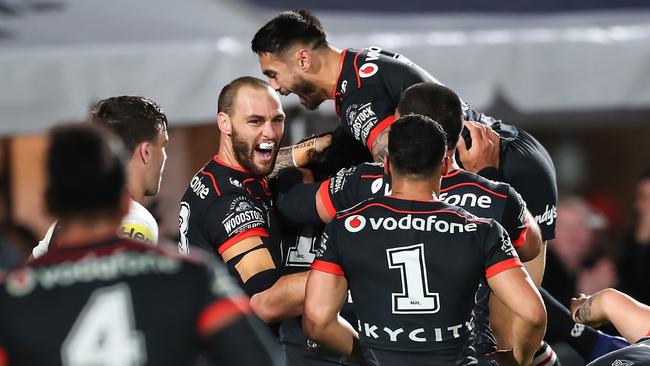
264 309
528 251
535 316
313 323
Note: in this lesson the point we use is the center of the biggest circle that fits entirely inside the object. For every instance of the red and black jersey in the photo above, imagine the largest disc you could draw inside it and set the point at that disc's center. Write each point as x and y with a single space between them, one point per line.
480 196
224 205
366 95
114 302
413 268
369 87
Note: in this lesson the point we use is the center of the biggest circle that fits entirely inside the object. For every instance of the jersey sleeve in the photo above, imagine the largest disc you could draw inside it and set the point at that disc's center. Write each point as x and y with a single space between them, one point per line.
233 217
367 112
498 251
514 218
220 299
352 185
327 256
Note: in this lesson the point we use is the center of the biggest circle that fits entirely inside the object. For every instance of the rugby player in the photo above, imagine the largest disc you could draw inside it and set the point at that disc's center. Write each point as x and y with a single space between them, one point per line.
142 127
227 209
299 240
96 299
630 317
366 85
413 263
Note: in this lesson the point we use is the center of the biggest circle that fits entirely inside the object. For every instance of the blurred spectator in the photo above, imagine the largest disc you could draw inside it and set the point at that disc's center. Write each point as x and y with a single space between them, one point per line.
634 265
576 261
16 243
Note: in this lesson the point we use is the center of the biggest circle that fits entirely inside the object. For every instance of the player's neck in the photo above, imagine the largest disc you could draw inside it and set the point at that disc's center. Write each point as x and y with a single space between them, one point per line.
453 165
331 61
417 190
227 155
80 232
135 184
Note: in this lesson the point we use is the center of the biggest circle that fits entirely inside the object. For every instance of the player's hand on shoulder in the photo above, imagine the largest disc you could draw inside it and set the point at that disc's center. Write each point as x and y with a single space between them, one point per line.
485 147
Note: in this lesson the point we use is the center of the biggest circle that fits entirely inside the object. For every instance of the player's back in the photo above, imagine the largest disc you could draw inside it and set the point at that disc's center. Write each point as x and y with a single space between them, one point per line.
413 268
112 303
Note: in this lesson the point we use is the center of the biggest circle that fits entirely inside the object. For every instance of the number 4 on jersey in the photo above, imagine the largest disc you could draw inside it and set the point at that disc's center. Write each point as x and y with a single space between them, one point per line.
415 297
104 332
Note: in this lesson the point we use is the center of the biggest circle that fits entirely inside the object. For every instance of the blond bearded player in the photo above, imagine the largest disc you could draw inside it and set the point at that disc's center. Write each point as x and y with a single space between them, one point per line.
142 126
227 209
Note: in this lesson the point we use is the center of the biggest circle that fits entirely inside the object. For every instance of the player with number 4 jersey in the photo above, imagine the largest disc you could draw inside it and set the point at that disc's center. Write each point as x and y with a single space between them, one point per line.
96 299
413 264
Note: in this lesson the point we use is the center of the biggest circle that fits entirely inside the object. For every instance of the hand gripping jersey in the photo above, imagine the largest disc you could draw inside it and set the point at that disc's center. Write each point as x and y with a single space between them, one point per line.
413 268
115 302
477 195
224 205
138 225
369 87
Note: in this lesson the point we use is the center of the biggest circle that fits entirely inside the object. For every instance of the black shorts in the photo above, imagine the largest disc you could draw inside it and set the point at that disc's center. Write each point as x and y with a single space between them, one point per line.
380 357
527 167
296 355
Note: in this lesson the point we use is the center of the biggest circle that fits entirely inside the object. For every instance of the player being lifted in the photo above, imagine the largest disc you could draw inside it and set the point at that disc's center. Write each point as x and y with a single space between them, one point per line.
413 263
96 299
366 85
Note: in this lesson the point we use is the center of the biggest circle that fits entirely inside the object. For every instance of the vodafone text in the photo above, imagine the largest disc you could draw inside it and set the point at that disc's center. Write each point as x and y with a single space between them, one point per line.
356 223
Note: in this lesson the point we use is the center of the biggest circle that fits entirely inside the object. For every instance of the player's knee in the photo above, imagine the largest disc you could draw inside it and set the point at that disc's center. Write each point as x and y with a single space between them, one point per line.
263 309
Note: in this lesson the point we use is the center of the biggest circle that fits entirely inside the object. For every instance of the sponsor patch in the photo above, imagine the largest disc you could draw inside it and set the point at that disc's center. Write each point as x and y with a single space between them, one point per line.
368 69
355 223
243 215
20 282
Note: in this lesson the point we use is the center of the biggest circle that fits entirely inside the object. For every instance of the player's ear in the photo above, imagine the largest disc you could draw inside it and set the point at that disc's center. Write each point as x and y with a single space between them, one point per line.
304 59
224 123
444 167
144 152
386 162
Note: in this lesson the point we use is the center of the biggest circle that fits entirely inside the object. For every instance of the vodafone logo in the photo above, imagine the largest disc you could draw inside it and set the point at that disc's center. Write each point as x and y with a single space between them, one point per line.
368 69
355 223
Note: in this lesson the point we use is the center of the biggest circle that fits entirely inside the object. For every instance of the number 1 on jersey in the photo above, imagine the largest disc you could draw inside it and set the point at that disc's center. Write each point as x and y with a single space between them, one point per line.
415 297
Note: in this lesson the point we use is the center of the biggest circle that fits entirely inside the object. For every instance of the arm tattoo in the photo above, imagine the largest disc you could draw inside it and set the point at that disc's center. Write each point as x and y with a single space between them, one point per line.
379 147
583 314
283 160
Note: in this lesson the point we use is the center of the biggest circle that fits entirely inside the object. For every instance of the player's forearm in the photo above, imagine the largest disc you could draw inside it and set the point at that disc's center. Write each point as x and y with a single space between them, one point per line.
284 299
283 160
526 338
630 317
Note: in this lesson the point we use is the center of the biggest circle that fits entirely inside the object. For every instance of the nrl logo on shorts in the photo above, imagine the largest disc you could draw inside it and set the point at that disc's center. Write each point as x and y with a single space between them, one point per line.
344 86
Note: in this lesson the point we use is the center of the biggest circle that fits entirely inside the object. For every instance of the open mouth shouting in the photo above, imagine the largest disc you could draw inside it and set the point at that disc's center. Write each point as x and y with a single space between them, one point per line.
264 151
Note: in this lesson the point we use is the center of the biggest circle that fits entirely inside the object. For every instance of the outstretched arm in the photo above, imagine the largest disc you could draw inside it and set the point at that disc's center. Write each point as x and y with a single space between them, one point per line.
630 317
300 154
